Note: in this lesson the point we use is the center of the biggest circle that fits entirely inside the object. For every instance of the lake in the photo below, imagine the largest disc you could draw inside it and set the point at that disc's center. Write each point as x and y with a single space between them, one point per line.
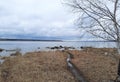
30 46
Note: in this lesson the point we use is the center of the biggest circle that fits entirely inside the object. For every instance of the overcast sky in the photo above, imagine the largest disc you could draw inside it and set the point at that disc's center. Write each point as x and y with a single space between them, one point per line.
36 17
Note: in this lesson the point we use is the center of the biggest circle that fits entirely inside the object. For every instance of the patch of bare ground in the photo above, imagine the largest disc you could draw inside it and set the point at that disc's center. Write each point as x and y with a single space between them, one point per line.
96 64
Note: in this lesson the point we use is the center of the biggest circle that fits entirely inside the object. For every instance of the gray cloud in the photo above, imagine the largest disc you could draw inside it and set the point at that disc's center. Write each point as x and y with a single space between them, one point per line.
38 17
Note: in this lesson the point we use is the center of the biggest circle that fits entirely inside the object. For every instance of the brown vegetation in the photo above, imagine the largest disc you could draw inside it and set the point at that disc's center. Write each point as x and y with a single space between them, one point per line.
97 65
36 67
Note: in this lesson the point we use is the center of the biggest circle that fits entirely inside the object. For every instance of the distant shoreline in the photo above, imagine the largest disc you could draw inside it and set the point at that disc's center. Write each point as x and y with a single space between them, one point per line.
28 40
52 40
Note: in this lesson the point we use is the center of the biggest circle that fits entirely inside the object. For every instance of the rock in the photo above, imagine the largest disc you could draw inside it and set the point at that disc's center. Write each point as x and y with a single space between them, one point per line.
71 47
1 49
61 46
85 47
52 48
38 47
56 47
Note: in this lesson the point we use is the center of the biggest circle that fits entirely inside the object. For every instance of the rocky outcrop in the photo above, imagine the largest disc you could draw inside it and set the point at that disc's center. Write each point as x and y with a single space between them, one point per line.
61 47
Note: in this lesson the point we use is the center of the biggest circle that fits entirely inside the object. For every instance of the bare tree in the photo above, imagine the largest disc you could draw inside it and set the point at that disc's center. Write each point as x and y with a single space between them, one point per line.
101 18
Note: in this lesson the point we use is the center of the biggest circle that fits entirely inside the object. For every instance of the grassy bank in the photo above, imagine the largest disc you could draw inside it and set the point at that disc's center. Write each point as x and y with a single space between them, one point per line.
97 65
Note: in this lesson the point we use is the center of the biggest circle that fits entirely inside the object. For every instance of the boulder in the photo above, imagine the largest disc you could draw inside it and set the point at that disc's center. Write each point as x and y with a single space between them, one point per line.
1 49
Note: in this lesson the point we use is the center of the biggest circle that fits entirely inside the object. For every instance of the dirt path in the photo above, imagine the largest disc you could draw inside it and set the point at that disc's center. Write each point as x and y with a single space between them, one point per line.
74 70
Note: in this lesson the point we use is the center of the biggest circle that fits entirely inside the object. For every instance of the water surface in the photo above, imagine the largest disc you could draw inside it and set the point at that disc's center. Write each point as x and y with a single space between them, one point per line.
30 46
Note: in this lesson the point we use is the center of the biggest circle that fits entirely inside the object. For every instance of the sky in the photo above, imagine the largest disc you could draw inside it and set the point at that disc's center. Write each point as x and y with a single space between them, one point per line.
36 18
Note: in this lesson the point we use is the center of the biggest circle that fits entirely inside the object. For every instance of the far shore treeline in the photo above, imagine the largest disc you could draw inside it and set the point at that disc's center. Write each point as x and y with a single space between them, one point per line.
54 40
27 40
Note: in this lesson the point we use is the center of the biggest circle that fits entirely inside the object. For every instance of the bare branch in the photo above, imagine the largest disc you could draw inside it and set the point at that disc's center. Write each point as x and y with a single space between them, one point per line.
99 17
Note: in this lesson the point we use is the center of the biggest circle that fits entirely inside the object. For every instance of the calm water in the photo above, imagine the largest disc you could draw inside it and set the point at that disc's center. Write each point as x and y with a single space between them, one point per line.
29 46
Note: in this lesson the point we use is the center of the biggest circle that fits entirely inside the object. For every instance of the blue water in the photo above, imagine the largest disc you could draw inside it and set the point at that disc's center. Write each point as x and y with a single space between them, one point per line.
30 46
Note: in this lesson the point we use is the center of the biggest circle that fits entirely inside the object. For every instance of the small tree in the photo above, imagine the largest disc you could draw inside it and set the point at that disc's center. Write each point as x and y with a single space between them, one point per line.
101 18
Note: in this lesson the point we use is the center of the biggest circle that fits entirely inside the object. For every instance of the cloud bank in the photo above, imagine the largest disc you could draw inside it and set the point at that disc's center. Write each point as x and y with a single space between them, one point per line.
36 18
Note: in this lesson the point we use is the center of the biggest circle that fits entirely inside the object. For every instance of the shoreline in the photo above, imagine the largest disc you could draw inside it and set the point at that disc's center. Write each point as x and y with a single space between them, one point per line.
29 40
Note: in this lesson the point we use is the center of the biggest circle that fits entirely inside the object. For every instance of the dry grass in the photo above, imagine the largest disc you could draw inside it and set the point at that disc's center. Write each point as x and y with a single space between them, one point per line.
36 67
95 64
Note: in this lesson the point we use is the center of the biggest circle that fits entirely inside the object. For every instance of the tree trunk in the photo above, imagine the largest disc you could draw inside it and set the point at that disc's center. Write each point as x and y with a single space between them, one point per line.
118 47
